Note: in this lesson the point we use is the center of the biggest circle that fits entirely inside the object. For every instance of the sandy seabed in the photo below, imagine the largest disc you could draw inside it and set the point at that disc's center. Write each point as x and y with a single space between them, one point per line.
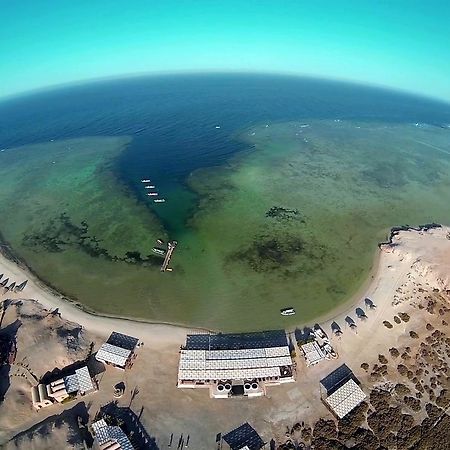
415 265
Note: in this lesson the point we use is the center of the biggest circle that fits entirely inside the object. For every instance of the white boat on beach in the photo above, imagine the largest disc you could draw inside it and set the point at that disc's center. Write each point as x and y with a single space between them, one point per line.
287 311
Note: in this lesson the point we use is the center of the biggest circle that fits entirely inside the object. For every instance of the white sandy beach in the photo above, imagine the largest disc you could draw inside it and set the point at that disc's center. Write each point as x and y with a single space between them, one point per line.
102 326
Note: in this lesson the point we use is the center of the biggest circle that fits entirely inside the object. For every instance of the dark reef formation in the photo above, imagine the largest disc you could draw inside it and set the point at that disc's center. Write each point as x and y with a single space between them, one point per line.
270 252
61 233
284 214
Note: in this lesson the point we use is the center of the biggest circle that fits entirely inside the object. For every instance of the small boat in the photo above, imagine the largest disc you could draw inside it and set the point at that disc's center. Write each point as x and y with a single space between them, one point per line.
145 181
150 186
287 311
159 200
152 194
159 251
319 332
160 241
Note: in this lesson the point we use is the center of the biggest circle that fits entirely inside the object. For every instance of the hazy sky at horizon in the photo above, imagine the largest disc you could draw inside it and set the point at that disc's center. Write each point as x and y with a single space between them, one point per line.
400 44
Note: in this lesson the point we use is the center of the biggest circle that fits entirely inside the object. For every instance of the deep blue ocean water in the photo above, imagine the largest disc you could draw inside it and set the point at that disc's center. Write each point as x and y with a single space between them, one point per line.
173 119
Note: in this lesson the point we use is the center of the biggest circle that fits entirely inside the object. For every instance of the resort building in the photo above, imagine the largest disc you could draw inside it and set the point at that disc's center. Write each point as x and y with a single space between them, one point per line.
40 397
312 353
235 364
242 438
118 350
314 344
341 392
110 437
78 383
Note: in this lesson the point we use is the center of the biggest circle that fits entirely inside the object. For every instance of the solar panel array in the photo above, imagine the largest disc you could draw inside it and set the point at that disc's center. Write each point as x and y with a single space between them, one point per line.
346 398
229 374
78 381
244 437
337 378
233 364
122 340
109 434
112 354
263 339
71 383
84 379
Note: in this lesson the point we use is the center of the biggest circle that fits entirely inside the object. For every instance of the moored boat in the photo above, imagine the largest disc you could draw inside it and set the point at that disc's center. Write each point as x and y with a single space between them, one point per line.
287 311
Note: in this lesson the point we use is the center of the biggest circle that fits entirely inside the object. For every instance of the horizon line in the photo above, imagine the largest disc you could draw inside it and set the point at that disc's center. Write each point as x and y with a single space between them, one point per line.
144 74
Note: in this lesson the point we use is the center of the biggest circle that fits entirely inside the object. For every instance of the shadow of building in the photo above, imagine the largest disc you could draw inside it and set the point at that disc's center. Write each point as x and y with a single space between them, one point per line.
131 425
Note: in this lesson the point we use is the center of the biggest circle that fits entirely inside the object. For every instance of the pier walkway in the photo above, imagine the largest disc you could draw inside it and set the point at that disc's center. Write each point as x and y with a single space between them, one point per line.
170 249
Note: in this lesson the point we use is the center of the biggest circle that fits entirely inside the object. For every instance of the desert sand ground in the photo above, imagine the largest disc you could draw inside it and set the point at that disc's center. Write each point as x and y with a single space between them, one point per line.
412 270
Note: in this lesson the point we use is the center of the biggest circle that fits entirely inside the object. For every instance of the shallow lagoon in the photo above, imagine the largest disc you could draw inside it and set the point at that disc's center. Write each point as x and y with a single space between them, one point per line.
293 220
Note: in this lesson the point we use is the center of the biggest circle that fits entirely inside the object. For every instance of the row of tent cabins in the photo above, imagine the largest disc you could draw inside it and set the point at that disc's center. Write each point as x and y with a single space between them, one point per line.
13 287
117 351
360 314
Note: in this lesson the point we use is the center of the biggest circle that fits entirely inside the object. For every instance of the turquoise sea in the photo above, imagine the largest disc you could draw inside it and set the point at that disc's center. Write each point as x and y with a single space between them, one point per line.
277 190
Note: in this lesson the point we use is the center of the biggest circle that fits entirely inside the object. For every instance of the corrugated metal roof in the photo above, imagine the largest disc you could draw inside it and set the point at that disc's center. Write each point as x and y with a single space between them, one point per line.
346 398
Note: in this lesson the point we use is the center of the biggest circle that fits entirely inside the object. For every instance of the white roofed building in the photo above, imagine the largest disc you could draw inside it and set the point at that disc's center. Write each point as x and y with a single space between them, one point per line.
345 399
116 356
118 350
230 365
313 353
341 392
77 383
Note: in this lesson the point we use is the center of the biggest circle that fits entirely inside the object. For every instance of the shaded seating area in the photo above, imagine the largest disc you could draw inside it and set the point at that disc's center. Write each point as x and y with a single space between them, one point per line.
13 286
